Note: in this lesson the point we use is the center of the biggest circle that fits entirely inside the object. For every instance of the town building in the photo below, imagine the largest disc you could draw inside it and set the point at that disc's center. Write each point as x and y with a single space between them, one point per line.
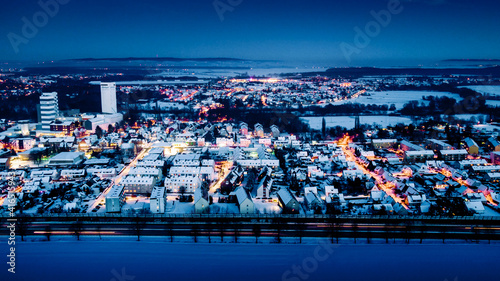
453 155
138 185
201 202
471 146
258 130
115 199
151 163
108 98
158 200
188 183
244 201
495 157
102 173
72 174
408 146
435 144
383 143
275 131
493 144
145 172
67 158
49 109
412 156
288 202
192 159
67 127
204 173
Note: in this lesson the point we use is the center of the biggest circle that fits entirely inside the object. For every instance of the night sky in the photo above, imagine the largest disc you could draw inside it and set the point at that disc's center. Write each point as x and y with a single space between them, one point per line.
289 30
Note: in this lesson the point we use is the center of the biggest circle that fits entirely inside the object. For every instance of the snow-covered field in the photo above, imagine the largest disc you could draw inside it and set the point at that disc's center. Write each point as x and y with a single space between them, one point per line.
468 117
349 121
128 260
493 102
158 82
398 98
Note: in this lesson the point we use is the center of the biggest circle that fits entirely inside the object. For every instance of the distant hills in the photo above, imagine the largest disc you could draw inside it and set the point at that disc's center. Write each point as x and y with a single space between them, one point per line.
373 71
472 60
172 59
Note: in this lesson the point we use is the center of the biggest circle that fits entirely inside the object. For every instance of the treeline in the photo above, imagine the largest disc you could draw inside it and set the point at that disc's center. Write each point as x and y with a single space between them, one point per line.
444 72
19 107
435 106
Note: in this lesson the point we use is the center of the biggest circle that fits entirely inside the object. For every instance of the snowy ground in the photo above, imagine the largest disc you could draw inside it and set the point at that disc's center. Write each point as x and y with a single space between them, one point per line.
398 98
177 207
263 206
493 102
468 117
349 121
160 260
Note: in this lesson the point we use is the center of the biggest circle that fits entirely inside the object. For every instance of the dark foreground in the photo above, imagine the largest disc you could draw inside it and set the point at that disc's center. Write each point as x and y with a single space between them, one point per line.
126 261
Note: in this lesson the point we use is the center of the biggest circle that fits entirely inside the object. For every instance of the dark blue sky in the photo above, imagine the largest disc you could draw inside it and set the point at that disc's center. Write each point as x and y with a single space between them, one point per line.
289 30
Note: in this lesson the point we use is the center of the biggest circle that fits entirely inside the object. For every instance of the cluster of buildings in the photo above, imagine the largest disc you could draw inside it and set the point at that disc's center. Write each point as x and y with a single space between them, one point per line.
177 166
66 164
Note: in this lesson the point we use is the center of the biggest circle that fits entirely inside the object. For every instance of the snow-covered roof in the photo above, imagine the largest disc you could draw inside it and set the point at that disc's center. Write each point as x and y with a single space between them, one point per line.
242 194
285 195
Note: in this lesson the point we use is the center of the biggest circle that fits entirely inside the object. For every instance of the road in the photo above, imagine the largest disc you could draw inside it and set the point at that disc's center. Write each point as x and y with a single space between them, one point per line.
101 198
359 228
224 171
343 143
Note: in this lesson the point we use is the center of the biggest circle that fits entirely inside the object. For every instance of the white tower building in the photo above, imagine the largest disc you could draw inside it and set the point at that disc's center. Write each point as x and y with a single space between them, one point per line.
108 97
49 109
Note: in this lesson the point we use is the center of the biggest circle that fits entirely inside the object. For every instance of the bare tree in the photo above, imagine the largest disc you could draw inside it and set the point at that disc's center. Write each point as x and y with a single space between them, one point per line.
77 229
236 232
209 232
477 233
221 229
22 227
99 231
48 232
138 226
442 230
195 232
333 229
387 231
421 233
182 190
408 230
256 232
279 226
354 229
301 228
170 231
368 236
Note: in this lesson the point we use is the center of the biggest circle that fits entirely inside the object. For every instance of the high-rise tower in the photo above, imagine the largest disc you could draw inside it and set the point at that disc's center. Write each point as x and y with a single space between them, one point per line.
49 109
108 98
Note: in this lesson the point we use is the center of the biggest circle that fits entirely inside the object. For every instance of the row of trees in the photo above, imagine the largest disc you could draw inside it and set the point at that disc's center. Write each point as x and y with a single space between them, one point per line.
220 230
